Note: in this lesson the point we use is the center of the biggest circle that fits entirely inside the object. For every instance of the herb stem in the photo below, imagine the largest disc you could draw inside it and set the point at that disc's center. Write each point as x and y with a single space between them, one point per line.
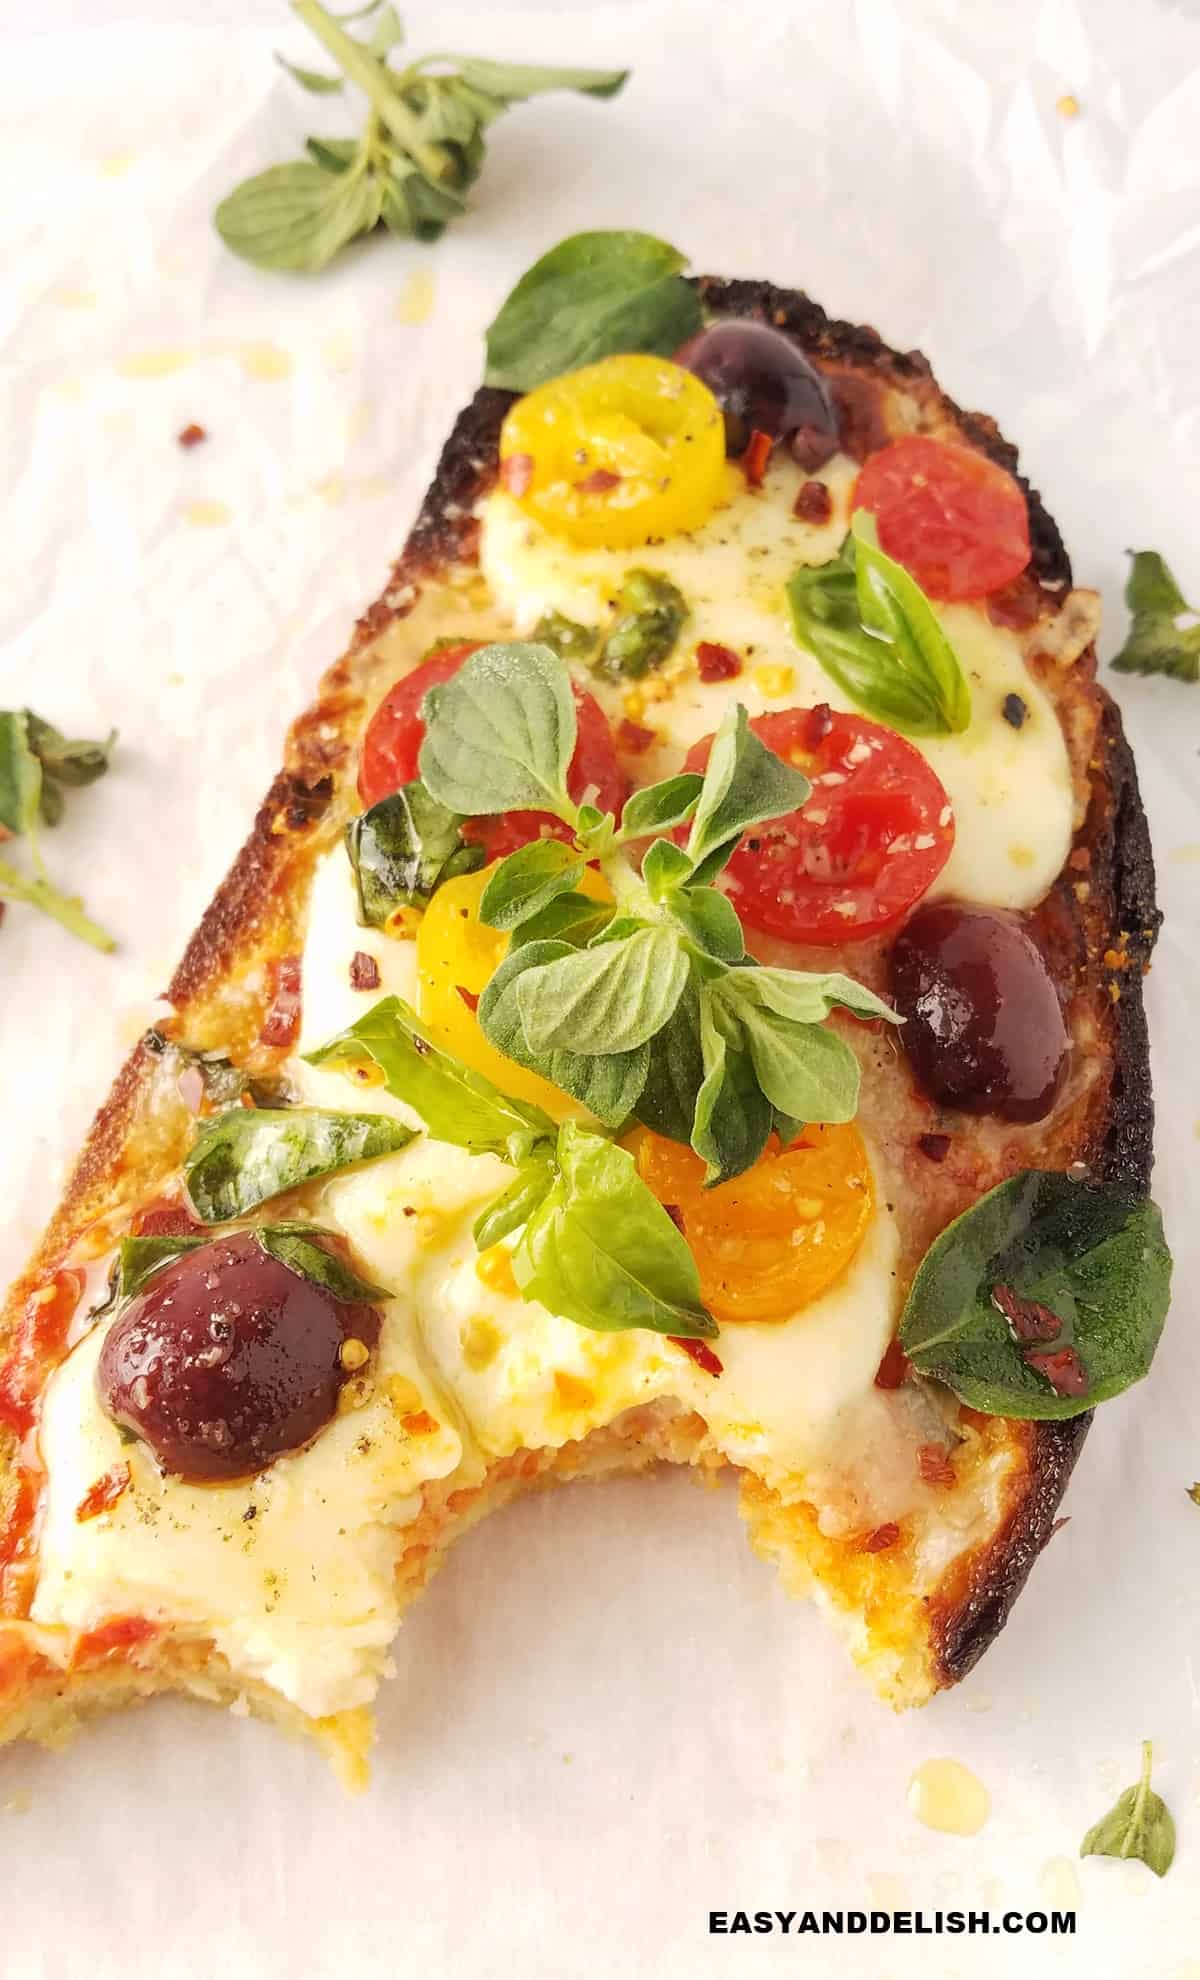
377 84
39 893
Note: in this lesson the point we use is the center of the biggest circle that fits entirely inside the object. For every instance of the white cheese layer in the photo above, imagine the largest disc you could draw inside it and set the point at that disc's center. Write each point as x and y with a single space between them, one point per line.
791 1392
292 1573
1010 789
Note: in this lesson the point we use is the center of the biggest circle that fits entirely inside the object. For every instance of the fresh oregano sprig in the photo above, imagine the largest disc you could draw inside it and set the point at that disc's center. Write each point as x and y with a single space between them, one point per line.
37 765
648 1007
421 150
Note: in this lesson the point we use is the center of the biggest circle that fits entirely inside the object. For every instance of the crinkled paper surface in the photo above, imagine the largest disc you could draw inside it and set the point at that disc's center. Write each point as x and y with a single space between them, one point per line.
607 1719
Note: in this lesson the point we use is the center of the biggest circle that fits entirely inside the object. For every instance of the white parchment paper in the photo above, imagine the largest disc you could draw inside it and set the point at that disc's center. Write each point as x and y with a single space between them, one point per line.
607 1719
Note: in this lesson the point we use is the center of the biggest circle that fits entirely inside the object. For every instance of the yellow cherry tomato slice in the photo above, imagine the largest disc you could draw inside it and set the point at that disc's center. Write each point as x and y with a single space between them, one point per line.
458 952
622 451
772 1240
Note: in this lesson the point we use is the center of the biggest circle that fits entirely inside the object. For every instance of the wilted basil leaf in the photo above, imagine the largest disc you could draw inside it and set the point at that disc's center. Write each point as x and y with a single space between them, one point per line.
403 849
1093 1256
246 1156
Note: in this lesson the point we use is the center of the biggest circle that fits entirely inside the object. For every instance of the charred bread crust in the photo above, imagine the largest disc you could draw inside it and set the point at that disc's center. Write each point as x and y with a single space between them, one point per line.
255 914
969 1616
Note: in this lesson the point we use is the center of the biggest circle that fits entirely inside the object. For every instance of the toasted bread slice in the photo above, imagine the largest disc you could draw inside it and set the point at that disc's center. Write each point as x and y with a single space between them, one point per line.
921 1607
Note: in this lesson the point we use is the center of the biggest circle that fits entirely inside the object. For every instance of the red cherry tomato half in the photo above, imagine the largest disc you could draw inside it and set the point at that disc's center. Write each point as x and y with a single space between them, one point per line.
392 746
871 840
952 517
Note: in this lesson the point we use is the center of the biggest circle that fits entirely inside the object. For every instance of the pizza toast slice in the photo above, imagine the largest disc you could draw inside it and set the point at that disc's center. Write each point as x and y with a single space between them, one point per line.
502 1133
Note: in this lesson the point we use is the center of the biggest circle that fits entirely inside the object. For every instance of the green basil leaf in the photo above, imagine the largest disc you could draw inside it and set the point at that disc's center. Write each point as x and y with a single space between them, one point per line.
573 918
733 1117
665 868
20 776
1138 1825
527 881
651 613
745 784
612 998
456 1103
892 605
805 1071
296 1246
592 295
709 920
310 79
246 1156
1155 644
139 1258
874 632
515 81
500 735
401 851
515 1205
608 1082
667 1101
297 217
566 637
659 806
602 1251
1094 1256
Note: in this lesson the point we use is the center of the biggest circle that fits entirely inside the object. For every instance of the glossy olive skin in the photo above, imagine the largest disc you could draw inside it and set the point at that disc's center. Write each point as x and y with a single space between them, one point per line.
228 1360
984 1030
761 381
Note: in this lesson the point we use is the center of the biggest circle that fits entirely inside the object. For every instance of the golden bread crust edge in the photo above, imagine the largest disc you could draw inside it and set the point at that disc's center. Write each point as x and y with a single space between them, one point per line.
256 913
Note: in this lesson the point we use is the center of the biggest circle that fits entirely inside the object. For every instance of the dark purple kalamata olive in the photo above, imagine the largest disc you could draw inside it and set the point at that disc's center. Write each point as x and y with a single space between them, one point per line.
983 1028
228 1360
763 383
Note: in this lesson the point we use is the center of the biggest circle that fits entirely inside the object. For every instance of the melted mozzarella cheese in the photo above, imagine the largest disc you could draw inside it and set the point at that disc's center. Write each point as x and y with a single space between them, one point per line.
791 1394
292 1573
1010 789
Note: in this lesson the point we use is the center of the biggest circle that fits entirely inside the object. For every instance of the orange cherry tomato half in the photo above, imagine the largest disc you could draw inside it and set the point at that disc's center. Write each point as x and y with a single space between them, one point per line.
872 838
953 518
392 746
773 1240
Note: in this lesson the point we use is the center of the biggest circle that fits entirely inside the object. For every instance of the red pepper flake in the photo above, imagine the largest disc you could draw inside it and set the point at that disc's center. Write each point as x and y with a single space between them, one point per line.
934 1147
1028 1318
598 482
364 971
1080 860
699 1351
813 503
818 725
676 1215
884 1536
420 1423
1063 1370
633 739
192 435
934 1465
468 996
282 1022
717 663
516 473
756 456
894 1368
104 1493
164 1219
